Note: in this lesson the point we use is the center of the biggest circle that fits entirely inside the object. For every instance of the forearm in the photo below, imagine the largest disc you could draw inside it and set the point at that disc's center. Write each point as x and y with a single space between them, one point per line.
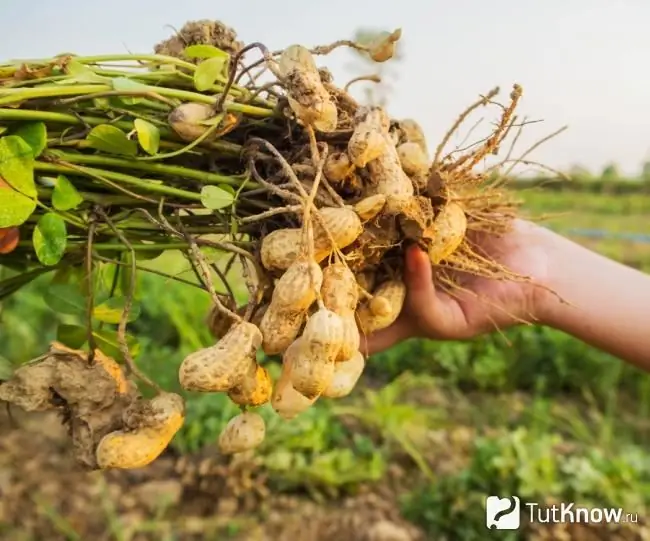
609 303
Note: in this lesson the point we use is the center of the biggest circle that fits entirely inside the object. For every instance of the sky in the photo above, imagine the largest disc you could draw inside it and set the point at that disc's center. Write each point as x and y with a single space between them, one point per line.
581 63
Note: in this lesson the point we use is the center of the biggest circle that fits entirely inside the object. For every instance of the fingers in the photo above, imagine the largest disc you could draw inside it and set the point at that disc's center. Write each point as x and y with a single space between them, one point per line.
386 338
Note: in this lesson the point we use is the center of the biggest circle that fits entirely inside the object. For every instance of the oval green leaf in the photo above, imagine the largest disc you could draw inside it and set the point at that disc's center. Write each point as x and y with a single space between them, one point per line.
50 239
216 198
111 139
204 51
15 208
112 309
65 299
65 196
35 135
108 343
148 135
73 336
208 71
17 164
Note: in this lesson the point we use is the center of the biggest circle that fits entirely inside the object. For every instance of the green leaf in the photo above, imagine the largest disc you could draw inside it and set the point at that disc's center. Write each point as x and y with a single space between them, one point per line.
148 135
216 198
65 299
208 71
17 164
3 129
65 196
15 208
83 74
111 139
124 84
73 336
128 85
111 310
204 51
35 135
108 343
50 238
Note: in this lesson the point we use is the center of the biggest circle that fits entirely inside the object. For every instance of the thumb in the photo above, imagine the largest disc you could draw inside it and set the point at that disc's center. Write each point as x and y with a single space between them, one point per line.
418 278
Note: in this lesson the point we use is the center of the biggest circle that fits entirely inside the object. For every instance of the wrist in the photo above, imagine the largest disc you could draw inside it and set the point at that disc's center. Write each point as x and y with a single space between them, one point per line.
562 256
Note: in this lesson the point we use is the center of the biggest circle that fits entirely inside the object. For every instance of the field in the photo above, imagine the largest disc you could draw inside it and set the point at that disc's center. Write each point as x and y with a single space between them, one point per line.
432 429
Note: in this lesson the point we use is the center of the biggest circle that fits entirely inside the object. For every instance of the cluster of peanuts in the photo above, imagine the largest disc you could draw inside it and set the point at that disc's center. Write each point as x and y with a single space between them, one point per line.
317 314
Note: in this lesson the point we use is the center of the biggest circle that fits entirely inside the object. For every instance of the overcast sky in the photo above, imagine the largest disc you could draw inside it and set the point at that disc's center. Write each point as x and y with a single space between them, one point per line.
581 62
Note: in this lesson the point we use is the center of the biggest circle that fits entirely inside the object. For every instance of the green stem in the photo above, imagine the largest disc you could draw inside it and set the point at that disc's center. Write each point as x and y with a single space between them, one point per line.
156 168
101 198
152 271
63 118
13 95
147 185
120 247
153 58
65 216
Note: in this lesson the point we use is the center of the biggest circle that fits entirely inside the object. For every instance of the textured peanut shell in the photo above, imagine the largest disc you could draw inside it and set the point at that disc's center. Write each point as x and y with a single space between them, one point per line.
220 367
282 247
296 289
339 288
185 119
383 46
368 141
351 337
129 449
338 167
413 159
279 329
286 401
155 412
390 180
218 322
242 433
382 311
254 389
340 294
321 342
307 97
369 207
450 227
346 375
342 223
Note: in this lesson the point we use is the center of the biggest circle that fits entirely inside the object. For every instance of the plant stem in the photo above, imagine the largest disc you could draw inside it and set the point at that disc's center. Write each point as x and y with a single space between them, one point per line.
63 118
13 95
152 271
149 167
147 185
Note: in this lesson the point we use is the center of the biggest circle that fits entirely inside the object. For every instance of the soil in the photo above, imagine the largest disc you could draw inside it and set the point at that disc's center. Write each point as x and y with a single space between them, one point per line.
46 496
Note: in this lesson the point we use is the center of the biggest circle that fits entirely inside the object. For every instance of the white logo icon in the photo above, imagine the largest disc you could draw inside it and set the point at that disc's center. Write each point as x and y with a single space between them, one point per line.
502 513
